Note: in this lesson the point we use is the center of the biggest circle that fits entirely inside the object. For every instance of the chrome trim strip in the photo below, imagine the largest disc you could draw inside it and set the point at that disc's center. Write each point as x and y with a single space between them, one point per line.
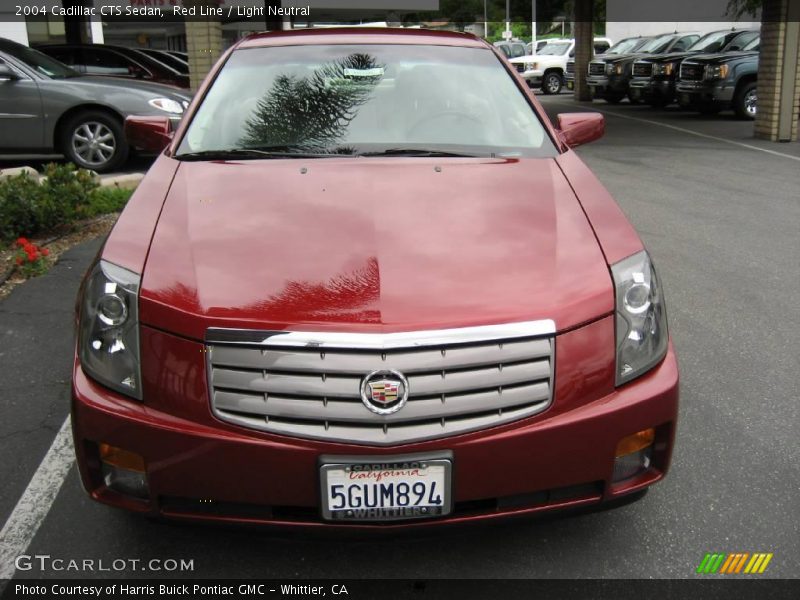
380 341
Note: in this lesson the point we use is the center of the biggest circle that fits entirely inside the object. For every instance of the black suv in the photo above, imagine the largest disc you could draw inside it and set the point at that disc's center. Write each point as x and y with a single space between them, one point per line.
653 78
624 46
609 75
710 83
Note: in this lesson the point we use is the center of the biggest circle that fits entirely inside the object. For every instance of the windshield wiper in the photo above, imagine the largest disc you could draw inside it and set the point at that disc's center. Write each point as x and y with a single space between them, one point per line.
256 153
418 152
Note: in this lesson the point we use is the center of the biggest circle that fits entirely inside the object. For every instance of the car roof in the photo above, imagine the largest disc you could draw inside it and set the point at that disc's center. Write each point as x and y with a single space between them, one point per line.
361 35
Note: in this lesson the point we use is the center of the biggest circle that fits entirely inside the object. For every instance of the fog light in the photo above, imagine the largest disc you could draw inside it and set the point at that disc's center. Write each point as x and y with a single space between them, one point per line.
123 471
634 454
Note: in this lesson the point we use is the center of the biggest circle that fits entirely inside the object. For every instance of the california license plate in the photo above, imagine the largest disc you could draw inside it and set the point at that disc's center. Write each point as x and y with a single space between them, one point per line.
369 490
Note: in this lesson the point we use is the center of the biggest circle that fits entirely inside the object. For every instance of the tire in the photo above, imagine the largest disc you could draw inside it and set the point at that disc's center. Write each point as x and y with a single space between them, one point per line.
552 83
94 139
745 103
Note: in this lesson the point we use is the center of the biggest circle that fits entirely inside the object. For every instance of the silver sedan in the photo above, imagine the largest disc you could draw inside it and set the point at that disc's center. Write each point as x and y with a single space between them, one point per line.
46 107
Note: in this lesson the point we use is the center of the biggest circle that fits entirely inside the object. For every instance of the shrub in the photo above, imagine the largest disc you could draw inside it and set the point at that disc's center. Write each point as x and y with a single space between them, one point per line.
107 200
66 195
19 197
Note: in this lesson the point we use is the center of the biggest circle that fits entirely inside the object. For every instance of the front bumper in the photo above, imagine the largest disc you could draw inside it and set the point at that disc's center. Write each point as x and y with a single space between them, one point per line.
603 86
644 88
691 93
533 77
202 469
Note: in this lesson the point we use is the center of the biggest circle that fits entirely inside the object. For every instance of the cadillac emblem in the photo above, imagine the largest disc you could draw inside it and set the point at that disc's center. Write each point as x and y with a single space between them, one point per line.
384 392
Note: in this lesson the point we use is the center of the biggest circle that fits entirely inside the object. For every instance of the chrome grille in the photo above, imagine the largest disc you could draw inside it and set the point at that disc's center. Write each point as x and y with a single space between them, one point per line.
597 68
571 67
642 69
520 67
691 71
308 384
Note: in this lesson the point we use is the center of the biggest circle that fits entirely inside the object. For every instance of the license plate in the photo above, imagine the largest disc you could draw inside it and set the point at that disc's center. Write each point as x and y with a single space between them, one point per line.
636 93
570 85
685 98
385 491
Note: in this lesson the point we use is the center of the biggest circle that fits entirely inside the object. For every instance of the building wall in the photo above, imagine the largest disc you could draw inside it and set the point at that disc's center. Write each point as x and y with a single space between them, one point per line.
16 31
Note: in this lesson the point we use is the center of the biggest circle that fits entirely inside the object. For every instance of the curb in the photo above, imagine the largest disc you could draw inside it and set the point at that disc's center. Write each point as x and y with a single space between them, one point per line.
126 181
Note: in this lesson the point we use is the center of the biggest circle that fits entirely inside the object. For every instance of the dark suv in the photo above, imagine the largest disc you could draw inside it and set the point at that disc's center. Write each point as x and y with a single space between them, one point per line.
609 75
624 46
653 77
710 83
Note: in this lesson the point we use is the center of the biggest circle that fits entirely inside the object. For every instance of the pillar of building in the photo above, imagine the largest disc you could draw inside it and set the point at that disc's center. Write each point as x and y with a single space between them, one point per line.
779 71
584 47
203 43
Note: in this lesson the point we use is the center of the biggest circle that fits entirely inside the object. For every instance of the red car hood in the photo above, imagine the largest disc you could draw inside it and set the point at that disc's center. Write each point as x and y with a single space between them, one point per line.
364 244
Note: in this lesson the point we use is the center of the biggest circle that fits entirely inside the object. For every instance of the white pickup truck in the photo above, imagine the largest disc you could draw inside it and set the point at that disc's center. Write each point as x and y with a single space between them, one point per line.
547 67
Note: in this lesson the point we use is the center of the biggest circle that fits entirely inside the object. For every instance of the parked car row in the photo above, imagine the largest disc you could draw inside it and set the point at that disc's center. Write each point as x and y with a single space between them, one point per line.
547 68
158 66
710 73
47 106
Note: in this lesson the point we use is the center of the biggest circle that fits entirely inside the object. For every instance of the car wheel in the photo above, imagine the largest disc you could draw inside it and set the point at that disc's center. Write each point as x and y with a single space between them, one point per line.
746 102
552 83
94 140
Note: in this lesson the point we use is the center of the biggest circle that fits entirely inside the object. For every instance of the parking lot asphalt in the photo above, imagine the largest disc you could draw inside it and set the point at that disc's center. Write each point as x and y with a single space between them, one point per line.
720 214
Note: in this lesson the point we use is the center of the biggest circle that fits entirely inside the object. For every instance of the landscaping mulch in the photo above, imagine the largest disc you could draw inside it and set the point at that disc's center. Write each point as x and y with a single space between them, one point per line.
57 243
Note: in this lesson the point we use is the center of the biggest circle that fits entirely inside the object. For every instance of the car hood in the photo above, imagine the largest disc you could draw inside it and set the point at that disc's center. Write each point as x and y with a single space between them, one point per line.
721 57
158 89
388 244
614 58
540 58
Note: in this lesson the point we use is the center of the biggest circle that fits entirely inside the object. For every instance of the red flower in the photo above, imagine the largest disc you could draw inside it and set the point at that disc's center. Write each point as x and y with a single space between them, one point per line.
19 260
22 241
31 258
45 252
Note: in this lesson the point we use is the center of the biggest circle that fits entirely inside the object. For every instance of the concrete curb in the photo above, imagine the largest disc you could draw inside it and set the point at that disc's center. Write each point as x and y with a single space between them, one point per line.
127 181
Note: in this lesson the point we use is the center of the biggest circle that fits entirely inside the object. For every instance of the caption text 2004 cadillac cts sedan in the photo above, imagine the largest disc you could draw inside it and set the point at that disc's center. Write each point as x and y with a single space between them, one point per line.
368 284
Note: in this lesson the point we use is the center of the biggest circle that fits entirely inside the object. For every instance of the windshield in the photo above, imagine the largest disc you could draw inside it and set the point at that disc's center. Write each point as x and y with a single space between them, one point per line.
357 99
657 45
41 63
712 42
625 46
555 49
753 45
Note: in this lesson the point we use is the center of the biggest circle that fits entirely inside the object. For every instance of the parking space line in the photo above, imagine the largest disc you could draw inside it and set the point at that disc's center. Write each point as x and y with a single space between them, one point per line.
689 131
35 503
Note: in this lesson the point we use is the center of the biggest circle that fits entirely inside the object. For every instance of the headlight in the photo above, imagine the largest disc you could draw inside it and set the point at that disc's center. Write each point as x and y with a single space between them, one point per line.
530 66
663 68
641 318
609 69
716 71
108 334
167 105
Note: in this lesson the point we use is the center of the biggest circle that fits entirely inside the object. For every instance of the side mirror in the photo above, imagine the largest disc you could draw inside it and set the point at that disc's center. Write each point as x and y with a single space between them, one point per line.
7 73
151 134
581 127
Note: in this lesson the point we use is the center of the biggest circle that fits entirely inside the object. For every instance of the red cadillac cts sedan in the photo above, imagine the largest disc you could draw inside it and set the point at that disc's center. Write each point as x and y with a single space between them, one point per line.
368 284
